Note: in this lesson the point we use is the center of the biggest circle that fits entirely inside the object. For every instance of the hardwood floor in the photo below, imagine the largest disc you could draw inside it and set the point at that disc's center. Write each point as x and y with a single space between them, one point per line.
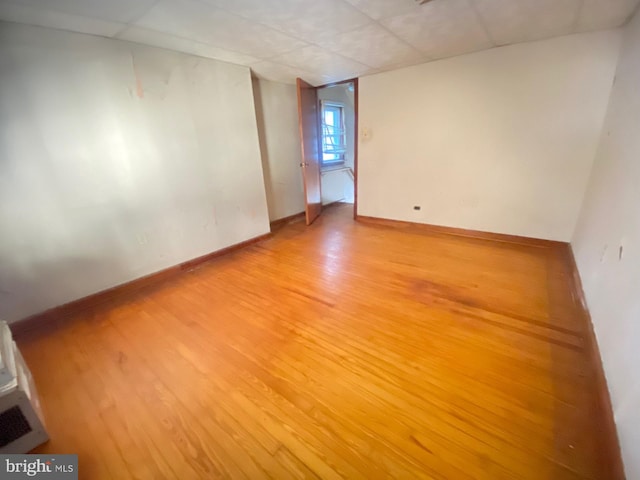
339 350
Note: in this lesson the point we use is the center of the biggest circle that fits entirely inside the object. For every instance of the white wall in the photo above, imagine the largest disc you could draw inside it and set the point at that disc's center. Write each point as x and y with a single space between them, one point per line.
501 140
117 160
337 185
609 222
277 115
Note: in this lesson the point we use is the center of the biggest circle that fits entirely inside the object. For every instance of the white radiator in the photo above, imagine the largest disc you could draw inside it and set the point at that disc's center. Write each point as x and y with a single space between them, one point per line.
21 420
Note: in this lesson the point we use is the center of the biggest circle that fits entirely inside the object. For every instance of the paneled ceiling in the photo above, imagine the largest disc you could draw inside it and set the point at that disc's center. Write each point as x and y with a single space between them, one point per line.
322 40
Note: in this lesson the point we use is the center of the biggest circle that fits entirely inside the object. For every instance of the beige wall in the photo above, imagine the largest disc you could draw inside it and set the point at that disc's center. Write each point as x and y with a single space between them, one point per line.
116 161
277 115
501 140
607 248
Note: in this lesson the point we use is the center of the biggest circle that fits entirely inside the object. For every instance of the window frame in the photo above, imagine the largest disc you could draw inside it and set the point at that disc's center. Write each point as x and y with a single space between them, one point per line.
342 132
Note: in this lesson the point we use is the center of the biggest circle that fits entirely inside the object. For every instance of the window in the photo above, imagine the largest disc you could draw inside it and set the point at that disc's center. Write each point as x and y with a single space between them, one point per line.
334 134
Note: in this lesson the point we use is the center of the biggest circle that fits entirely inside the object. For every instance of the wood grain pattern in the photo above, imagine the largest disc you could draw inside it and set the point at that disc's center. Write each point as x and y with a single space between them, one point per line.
280 222
340 350
607 425
44 319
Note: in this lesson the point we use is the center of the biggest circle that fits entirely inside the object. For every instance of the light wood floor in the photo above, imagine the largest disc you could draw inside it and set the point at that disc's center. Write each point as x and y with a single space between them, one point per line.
340 350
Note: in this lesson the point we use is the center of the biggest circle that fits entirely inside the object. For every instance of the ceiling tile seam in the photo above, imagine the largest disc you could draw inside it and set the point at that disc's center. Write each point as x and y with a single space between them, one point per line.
131 23
407 42
425 55
343 55
258 57
398 66
391 32
321 48
307 42
347 4
182 52
51 9
124 28
136 18
339 51
482 22
171 35
286 65
22 4
270 57
125 25
377 20
422 54
60 29
576 18
204 2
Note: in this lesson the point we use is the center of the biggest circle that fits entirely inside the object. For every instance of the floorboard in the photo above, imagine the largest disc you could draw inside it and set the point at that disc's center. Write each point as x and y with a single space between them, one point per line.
339 350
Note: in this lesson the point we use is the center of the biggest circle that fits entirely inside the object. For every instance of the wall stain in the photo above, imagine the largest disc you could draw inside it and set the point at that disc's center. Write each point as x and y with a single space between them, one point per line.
139 88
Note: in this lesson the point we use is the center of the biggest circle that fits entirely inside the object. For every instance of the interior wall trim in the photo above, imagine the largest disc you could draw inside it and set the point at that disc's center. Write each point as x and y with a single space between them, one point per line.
612 455
462 232
41 320
280 222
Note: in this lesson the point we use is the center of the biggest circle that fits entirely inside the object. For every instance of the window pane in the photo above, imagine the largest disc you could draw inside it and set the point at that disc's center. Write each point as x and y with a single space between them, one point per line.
333 134
329 117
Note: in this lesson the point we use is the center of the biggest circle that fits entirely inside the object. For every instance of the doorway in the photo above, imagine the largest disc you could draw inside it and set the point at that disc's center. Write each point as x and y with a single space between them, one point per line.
329 170
337 139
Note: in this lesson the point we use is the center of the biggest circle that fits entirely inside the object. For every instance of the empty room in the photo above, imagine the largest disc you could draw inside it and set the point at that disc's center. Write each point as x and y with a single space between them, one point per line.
320 239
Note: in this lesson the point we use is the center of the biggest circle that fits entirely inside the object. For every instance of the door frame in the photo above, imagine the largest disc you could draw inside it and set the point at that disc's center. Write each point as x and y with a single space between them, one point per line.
311 214
355 139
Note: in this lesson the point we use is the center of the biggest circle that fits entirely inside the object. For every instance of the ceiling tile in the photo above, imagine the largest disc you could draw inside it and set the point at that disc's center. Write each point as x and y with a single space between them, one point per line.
123 11
598 14
317 60
164 40
283 73
374 46
274 36
378 9
310 20
442 28
396 66
525 20
207 24
61 21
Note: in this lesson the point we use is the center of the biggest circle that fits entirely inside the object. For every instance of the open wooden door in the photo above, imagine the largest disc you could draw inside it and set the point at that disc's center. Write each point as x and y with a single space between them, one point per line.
310 144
